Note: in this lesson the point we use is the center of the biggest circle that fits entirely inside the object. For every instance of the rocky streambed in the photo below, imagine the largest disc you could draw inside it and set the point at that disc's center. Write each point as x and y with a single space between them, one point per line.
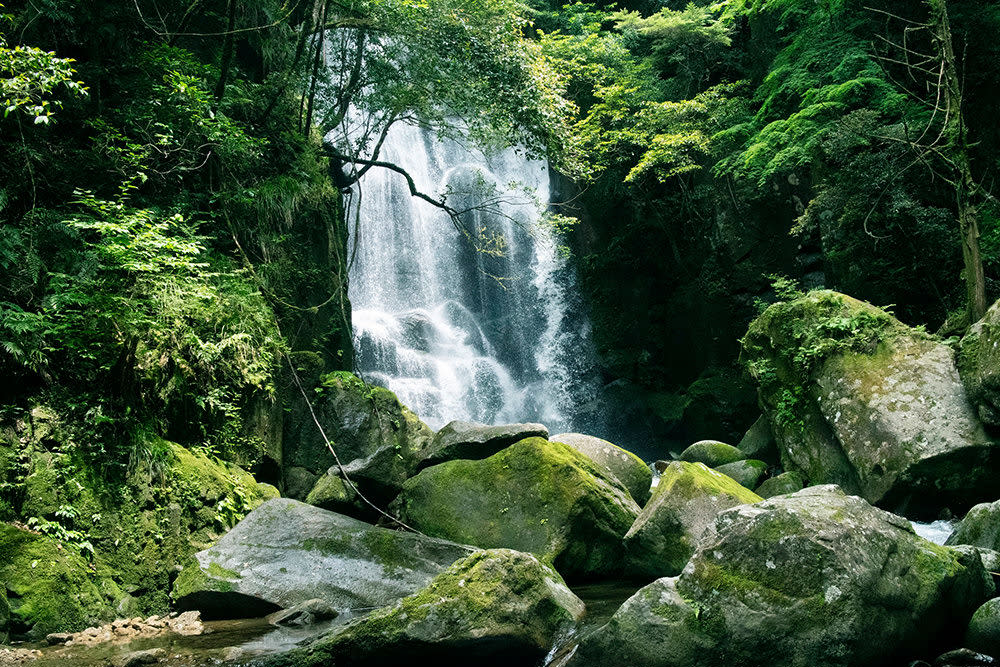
505 545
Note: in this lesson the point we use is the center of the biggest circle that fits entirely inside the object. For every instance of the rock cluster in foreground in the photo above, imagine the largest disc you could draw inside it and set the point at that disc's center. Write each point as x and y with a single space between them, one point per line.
813 578
495 607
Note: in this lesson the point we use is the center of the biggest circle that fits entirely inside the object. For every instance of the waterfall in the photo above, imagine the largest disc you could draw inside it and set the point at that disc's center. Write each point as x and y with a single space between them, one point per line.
493 334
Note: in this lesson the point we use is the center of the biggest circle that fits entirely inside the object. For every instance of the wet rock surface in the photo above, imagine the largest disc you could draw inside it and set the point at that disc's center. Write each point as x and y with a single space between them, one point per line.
535 496
623 465
496 607
670 527
857 398
286 552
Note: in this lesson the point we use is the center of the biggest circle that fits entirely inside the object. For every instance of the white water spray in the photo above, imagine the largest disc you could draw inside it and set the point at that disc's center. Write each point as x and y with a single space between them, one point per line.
458 333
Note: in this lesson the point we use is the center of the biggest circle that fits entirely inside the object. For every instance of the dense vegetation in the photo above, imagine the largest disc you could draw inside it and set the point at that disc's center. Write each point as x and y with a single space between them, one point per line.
176 191
729 142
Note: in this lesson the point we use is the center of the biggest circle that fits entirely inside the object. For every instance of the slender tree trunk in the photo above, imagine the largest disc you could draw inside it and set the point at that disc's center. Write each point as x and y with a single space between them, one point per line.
957 153
227 53
315 72
300 47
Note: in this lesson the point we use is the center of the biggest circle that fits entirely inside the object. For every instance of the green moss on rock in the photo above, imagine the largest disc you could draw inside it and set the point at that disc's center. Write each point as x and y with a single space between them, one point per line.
631 471
331 493
50 588
978 361
979 528
857 398
174 502
747 473
983 634
686 501
536 496
712 453
376 438
813 578
4 615
501 606
786 482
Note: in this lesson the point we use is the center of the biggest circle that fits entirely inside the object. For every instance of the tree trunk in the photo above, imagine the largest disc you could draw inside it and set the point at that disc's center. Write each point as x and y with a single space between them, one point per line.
956 152
227 54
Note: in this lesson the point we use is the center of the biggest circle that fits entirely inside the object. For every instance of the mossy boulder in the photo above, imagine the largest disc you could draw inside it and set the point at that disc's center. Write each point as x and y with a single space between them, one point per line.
857 398
331 493
50 587
980 527
988 557
623 465
471 440
813 578
746 473
286 552
984 629
537 496
979 366
165 515
670 527
758 442
377 439
173 502
787 482
495 607
712 453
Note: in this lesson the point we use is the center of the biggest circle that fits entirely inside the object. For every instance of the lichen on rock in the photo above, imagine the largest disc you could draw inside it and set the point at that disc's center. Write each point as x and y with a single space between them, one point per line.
671 525
812 578
857 398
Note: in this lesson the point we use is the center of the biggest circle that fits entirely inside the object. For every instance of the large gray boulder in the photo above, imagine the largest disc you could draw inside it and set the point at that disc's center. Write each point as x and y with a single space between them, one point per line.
470 440
376 438
496 607
980 527
859 399
286 552
623 465
979 365
813 578
670 527
537 496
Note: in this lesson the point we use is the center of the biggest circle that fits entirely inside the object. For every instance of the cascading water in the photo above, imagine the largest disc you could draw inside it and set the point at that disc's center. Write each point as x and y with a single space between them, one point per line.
489 334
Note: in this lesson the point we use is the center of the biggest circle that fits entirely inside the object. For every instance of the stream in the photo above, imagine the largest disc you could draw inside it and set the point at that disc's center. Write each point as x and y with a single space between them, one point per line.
236 642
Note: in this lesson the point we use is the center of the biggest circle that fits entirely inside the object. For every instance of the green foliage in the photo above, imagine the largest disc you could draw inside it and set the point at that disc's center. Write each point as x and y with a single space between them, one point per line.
456 66
789 341
30 77
189 323
635 111
56 529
